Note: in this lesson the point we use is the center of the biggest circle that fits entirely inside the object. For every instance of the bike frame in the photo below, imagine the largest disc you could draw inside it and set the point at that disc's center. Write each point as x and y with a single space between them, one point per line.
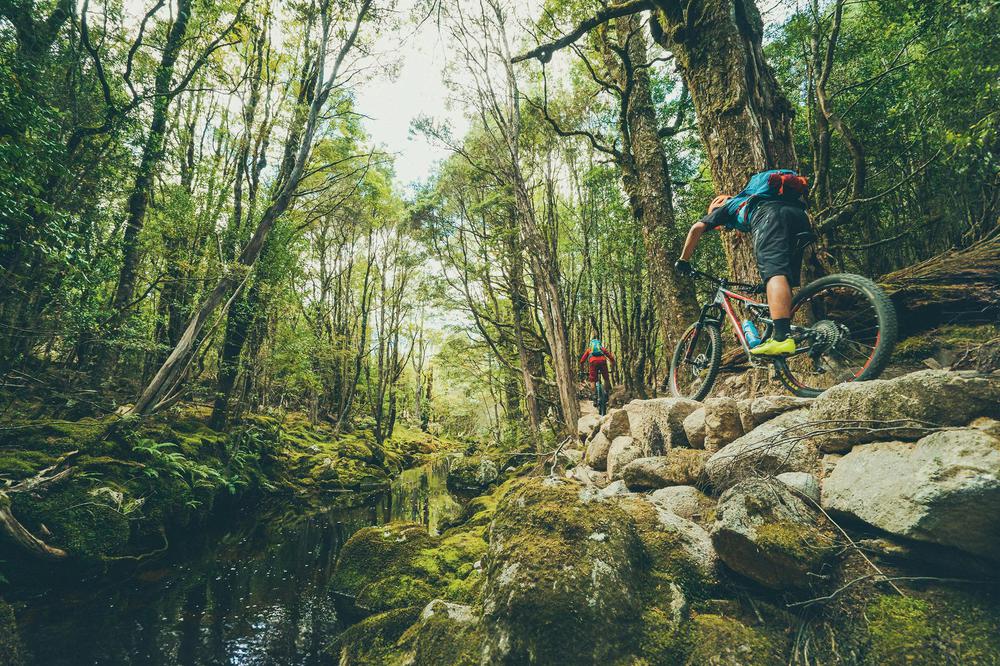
722 305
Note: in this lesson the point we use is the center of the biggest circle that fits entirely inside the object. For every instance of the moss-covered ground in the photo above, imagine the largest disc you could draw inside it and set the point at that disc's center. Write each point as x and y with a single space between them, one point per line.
132 482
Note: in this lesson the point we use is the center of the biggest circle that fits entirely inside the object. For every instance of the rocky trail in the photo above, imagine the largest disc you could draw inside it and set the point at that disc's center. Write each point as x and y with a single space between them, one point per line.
860 527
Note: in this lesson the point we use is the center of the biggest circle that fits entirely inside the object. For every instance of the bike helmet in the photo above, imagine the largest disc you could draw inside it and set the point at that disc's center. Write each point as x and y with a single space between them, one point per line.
718 201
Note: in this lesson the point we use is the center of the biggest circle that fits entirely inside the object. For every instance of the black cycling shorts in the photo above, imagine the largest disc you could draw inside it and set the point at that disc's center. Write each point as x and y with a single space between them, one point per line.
774 226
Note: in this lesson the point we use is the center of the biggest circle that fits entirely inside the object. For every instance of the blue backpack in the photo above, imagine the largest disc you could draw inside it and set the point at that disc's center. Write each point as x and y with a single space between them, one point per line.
773 185
595 348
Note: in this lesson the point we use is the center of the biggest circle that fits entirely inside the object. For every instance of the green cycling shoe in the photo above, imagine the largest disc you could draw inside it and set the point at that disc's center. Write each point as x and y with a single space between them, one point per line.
774 348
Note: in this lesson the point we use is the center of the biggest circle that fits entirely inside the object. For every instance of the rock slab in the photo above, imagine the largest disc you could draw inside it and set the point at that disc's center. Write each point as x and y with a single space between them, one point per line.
679 467
658 424
768 534
945 489
686 501
772 448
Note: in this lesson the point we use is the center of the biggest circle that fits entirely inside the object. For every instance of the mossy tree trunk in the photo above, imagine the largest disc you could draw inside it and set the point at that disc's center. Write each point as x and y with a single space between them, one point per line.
152 154
646 177
744 118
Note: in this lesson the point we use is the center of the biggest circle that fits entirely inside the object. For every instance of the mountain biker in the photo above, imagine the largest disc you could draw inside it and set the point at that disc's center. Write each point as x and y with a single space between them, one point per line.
773 226
598 355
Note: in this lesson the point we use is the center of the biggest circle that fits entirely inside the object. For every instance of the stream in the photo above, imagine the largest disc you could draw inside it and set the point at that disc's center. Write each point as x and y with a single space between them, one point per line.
254 591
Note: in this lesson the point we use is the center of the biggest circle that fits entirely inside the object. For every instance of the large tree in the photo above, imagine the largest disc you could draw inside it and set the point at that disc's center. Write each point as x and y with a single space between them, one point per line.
744 118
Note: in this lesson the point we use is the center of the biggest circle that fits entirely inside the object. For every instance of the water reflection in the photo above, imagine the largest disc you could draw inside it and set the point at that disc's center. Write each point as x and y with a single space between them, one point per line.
253 592
253 595
421 495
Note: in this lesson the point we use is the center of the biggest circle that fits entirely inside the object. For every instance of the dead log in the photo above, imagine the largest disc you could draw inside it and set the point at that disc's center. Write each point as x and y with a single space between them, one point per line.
957 286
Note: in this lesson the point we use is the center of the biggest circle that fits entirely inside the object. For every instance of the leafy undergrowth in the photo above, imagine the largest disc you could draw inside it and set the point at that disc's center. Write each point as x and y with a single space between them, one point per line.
133 482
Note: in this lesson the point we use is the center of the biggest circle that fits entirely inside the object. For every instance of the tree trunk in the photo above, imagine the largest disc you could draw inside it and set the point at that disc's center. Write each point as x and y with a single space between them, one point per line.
652 191
744 119
152 153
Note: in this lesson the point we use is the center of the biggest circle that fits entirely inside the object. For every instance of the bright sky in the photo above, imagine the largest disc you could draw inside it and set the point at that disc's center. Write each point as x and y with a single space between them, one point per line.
416 89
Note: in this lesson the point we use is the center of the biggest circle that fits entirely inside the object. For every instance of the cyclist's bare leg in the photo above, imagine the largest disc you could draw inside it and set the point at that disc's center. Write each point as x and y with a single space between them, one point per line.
779 297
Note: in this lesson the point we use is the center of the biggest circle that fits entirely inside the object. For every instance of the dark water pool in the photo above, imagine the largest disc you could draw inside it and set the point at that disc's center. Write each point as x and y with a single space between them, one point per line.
255 592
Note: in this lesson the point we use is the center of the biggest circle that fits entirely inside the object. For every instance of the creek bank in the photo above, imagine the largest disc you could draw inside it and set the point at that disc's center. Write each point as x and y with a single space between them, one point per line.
115 492
128 483
738 561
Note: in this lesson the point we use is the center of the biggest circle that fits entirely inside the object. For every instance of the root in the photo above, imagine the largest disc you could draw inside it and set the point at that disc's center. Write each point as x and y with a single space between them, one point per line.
13 528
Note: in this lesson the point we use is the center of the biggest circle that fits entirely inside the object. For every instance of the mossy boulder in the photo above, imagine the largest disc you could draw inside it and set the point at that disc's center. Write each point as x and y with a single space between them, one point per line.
372 641
445 633
472 473
944 629
677 467
768 534
675 550
718 640
400 564
438 634
562 577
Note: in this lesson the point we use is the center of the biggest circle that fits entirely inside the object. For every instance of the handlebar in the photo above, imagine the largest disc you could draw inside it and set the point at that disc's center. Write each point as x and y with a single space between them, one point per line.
722 282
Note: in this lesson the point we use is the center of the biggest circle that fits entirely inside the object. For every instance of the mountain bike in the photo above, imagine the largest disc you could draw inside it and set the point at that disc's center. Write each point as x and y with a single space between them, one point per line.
844 327
600 397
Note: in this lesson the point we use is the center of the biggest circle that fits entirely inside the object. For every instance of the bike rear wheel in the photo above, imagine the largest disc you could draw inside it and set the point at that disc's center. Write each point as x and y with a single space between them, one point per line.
845 330
602 397
696 361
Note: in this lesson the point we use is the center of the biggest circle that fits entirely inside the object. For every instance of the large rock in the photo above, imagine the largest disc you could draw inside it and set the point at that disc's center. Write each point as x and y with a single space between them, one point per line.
658 424
772 448
562 578
722 423
768 534
937 397
945 489
586 425
615 424
597 451
803 483
766 407
679 467
686 501
677 549
623 451
475 473
694 428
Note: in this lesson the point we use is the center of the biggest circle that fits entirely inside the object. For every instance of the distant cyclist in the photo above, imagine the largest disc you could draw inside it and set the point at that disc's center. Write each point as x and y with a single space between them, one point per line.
598 356
772 209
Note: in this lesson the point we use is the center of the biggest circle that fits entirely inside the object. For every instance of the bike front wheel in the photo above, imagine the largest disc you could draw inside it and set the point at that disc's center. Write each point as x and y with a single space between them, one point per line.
845 330
696 362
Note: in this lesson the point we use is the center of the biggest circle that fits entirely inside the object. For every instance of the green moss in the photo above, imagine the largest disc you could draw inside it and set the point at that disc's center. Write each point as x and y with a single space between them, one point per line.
372 641
794 541
918 632
668 560
11 652
86 524
957 337
395 591
400 564
561 576
662 641
440 639
716 640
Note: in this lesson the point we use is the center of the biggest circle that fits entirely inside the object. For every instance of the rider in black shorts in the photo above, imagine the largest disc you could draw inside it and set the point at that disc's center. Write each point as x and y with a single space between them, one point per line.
773 228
